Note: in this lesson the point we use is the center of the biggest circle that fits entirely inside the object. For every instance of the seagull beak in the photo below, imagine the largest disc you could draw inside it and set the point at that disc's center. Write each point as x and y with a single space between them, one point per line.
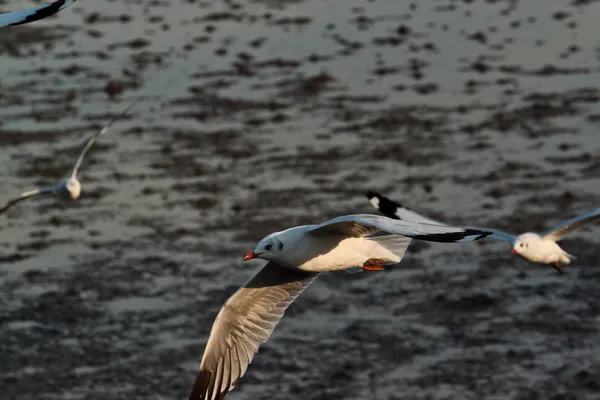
250 256
513 251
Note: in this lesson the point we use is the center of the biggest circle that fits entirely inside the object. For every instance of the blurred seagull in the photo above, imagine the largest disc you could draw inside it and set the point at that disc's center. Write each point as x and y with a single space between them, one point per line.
536 247
296 257
33 14
69 187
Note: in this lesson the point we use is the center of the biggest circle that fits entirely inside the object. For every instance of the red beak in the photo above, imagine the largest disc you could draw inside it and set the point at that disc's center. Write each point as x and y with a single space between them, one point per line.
513 251
250 256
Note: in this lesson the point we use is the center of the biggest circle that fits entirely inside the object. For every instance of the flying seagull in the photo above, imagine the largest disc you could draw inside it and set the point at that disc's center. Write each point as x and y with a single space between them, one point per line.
33 14
536 247
295 258
69 187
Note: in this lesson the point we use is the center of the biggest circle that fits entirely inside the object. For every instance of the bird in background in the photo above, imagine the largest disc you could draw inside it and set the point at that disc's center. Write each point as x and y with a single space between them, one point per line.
33 14
70 186
296 257
536 247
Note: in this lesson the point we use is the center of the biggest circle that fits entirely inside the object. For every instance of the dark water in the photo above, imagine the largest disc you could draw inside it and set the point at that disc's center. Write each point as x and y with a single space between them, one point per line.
256 116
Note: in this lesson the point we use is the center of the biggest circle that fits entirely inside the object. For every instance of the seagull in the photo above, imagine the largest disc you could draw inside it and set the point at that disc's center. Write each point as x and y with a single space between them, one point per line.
296 257
33 14
536 247
69 187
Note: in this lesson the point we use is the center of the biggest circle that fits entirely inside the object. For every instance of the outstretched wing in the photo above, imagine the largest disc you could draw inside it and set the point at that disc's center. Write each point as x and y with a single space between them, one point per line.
246 321
26 195
364 224
569 225
33 14
392 209
395 210
89 143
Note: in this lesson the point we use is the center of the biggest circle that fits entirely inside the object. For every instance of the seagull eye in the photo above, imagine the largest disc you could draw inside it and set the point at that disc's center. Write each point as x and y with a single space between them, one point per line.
268 247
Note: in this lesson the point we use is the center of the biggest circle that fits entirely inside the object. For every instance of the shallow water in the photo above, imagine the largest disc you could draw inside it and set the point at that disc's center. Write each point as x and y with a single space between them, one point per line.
255 117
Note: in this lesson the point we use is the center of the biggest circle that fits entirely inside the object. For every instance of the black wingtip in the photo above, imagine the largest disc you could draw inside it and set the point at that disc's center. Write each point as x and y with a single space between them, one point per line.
201 387
385 206
476 232
41 13
468 235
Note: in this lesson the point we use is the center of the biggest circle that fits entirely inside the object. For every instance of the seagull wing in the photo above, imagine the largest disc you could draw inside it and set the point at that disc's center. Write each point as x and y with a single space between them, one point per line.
26 195
246 321
392 209
496 234
569 225
33 14
365 224
90 142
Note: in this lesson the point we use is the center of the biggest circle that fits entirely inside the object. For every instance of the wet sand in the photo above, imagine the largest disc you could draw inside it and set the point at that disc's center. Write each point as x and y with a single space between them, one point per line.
256 116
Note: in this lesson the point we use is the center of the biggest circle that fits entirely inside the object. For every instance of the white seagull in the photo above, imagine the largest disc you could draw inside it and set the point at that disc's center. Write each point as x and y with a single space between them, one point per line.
33 14
536 247
69 187
296 257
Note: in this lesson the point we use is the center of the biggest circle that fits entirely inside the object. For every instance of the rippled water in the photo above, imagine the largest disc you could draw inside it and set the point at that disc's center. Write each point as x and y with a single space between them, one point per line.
256 116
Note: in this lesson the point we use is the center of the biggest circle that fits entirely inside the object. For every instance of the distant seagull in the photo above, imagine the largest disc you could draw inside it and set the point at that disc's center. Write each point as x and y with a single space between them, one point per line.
69 187
536 247
296 257
33 14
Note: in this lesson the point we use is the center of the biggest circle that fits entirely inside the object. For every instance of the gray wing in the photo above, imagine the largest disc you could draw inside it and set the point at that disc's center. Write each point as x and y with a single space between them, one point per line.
363 224
560 230
338 226
26 195
33 14
90 142
246 321
394 210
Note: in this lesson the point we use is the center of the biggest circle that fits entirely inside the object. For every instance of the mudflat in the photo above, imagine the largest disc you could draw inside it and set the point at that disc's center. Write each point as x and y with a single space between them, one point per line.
256 116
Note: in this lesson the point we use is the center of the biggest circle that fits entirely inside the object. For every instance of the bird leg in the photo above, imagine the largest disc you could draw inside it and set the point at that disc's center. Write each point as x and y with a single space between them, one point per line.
558 267
374 264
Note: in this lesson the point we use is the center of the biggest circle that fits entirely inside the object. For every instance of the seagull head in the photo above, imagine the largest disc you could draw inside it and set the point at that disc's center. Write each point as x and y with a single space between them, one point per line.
268 249
74 188
524 244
